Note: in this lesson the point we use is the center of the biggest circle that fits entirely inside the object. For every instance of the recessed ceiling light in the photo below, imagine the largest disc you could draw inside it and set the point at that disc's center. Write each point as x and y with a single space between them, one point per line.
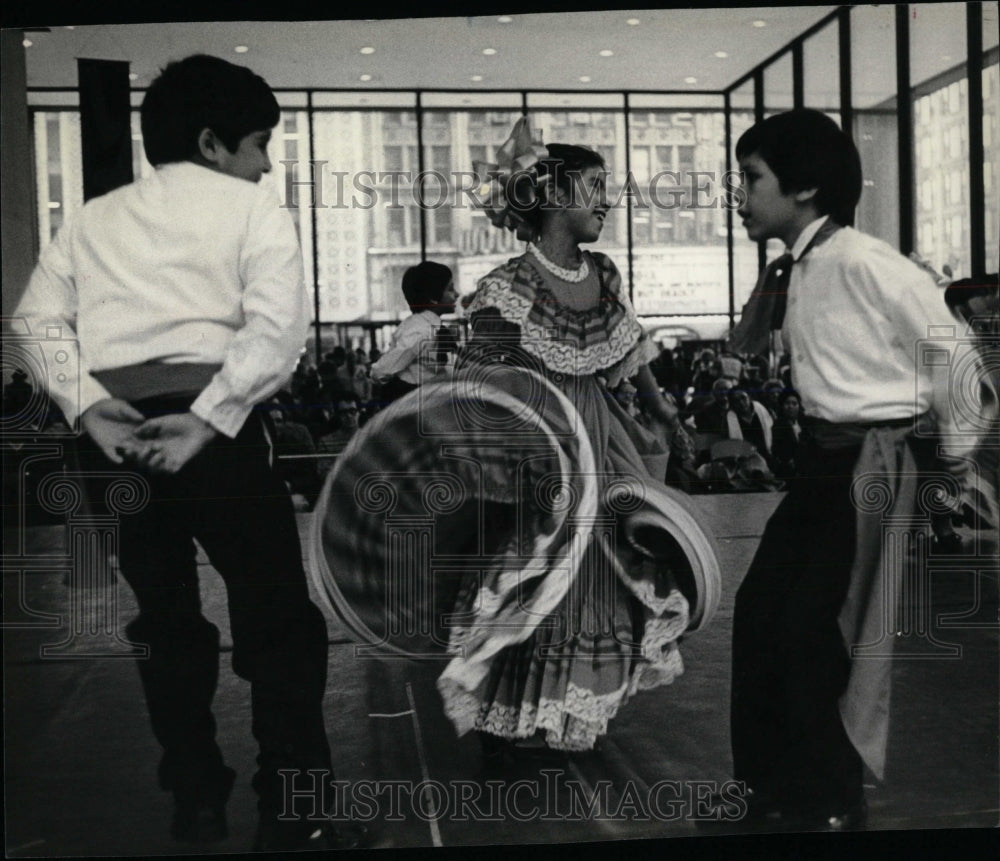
366 77
367 49
633 22
584 79
721 55
607 53
132 76
505 19
54 204
489 52
476 78
241 49
27 43
690 79
760 23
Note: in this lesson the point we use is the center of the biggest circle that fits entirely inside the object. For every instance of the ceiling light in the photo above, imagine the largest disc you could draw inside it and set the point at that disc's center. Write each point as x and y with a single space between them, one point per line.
132 76
759 23
241 49
489 52
633 22
690 79
584 79
27 43
54 204
607 53
476 78
367 49
69 27
366 77
721 55
505 19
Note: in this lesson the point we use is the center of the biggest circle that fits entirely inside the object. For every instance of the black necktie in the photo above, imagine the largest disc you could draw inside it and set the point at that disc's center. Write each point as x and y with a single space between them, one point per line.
777 279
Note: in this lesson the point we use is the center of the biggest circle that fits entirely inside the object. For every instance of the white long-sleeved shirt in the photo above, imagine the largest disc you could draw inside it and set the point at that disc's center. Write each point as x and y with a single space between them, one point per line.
412 355
187 265
857 310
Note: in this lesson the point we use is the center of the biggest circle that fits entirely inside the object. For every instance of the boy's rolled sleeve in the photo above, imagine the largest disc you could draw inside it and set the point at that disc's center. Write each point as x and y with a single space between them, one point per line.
263 353
49 309
404 352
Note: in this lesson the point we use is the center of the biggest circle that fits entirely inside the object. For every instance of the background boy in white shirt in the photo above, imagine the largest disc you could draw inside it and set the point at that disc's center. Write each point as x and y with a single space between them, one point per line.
185 293
413 357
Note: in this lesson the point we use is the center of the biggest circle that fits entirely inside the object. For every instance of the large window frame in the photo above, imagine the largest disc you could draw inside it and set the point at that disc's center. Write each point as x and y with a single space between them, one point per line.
420 112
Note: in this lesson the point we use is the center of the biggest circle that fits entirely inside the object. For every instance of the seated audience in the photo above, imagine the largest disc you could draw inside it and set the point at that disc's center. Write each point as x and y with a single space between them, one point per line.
786 433
750 421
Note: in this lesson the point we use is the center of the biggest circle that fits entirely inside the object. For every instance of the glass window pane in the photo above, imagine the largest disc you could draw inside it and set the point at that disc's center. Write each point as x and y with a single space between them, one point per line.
458 234
991 167
368 231
991 158
678 218
991 24
821 71
59 170
941 135
289 153
778 97
873 83
744 250
778 94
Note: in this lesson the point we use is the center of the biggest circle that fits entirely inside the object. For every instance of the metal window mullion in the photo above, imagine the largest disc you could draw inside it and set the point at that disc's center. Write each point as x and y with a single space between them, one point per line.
977 191
904 117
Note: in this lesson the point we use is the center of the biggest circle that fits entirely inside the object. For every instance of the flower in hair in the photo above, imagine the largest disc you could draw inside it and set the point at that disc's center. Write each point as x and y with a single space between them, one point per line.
511 187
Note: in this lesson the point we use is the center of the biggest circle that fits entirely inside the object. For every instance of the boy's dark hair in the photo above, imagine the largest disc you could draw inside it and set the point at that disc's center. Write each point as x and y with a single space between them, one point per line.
201 92
807 149
424 284
563 164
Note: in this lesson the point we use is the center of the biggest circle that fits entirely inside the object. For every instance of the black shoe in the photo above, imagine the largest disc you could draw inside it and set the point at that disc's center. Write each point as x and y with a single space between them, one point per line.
201 817
276 836
747 813
853 818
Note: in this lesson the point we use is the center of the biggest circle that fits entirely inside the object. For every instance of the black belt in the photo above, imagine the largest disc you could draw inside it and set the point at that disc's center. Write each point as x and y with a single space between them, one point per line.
838 435
812 421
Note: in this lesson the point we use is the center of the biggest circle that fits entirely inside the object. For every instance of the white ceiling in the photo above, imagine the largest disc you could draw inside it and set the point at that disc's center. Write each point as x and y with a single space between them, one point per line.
550 50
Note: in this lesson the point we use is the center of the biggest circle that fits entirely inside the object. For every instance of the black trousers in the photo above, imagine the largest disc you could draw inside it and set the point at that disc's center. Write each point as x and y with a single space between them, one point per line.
230 499
790 663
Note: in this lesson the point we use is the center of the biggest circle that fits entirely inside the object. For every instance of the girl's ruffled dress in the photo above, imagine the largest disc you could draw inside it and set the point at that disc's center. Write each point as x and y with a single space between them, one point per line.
616 627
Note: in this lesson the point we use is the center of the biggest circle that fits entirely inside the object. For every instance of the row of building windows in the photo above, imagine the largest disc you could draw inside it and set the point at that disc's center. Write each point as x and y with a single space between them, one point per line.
368 214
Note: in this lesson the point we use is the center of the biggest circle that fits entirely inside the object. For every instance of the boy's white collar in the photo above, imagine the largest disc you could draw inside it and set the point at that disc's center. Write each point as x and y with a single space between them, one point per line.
806 236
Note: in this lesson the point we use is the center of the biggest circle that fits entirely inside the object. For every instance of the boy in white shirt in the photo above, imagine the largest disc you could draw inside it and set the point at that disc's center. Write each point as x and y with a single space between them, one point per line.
185 293
413 357
855 311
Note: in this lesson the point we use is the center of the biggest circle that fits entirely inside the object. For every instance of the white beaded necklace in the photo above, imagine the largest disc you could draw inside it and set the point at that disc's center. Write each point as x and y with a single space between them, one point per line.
573 276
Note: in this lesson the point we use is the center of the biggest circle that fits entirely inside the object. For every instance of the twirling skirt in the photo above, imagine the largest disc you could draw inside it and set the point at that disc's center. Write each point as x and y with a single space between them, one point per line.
491 522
